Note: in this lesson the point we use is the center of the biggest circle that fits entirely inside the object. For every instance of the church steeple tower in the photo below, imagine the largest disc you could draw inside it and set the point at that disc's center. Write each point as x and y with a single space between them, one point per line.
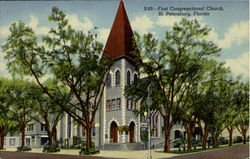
120 41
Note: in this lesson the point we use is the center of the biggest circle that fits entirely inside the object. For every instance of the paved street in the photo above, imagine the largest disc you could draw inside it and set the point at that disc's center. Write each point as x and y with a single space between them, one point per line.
28 155
240 152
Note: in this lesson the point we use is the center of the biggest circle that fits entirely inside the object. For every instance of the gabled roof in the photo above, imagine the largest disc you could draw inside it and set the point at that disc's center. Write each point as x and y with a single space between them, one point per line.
120 41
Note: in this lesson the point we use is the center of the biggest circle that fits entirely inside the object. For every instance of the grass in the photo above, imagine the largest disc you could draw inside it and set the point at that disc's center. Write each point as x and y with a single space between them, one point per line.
199 149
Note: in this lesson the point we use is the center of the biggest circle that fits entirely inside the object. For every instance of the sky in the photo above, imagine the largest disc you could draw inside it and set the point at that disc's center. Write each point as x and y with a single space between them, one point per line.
229 21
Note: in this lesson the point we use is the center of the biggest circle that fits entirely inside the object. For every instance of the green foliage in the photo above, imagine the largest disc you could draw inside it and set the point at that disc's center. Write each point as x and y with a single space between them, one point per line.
21 103
8 122
74 62
176 69
25 148
48 150
144 136
237 139
241 102
84 149
222 140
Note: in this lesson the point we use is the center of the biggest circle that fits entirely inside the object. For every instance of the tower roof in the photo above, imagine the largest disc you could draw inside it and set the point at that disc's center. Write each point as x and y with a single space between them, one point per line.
120 40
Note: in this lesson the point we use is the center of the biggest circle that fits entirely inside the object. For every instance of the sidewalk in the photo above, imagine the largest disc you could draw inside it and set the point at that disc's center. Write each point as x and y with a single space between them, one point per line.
140 154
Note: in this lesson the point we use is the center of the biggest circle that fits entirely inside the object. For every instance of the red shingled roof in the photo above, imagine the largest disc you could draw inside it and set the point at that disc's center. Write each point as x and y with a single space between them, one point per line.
120 40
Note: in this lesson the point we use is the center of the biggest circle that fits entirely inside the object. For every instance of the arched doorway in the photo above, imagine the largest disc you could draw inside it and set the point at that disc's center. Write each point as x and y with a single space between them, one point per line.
131 132
113 132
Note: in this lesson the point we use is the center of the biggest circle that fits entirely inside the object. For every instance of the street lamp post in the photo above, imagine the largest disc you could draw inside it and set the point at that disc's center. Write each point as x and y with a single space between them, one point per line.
149 135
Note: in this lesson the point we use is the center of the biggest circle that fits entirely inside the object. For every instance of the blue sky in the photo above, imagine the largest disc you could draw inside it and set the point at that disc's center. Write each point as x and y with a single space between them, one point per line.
230 27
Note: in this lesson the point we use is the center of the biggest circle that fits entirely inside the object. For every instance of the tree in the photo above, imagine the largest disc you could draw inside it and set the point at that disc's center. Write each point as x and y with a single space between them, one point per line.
73 60
47 112
242 104
21 105
222 98
207 108
230 118
174 66
6 116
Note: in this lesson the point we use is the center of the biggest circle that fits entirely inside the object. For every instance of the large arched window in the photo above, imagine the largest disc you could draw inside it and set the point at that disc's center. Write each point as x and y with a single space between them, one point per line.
109 80
117 77
128 77
135 78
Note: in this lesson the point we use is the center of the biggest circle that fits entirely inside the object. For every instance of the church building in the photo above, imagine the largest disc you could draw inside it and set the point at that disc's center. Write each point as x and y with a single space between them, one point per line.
115 126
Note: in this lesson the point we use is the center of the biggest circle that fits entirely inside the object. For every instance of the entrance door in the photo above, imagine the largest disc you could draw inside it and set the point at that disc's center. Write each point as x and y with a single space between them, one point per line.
113 132
131 132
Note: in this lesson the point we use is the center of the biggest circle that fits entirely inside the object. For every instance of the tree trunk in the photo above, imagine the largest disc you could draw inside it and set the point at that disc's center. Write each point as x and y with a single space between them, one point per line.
3 131
189 137
50 140
88 139
244 137
167 140
23 137
204 133
215 140
204 140
2 141
230 130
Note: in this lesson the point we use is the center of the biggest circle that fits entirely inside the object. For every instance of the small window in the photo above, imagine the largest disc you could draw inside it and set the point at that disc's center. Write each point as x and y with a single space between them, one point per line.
30 127
109 80
127 103
117 77
135 78
118 103
108 104
131 105
128 77
43 128
113 105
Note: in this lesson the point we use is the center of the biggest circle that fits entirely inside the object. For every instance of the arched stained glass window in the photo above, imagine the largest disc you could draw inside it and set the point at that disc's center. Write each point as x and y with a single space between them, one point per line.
135 78
117 77
109 80
128 77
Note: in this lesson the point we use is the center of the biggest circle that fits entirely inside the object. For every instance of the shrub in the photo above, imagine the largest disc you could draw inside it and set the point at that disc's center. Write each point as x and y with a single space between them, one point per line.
177 143
237 139
222 141
54 149
75 146
84 149
25 148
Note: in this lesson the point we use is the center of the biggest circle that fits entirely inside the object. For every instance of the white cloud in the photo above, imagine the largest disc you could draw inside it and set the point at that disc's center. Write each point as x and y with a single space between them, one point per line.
239 65
84 26
237 33
4 31
103 34
33 23
142 24
2 63
3 67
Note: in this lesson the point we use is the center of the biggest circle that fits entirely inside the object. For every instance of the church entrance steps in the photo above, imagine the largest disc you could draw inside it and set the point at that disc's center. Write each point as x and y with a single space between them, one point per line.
122 146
